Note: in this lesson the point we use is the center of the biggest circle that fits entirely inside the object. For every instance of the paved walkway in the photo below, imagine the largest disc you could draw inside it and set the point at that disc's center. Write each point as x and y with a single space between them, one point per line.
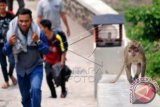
80 86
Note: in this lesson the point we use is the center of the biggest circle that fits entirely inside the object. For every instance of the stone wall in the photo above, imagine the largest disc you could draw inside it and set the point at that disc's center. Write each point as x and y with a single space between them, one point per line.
79 13
83 10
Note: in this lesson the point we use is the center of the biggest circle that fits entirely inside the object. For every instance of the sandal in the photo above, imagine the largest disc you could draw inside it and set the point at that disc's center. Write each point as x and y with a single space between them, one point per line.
5 85
14 81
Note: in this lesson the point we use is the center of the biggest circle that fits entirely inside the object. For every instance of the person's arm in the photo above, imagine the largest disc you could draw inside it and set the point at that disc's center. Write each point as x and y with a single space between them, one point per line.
63 58
39 12
11 38
63 50
7 48
61 43
41 43
64 19
39 18
45 49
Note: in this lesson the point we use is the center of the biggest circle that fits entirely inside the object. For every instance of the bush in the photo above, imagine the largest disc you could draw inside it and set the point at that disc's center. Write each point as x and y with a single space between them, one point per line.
144 21
153 68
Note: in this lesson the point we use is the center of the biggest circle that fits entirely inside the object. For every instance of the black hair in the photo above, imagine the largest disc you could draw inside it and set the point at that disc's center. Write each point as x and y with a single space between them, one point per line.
25 11
3 1
46 23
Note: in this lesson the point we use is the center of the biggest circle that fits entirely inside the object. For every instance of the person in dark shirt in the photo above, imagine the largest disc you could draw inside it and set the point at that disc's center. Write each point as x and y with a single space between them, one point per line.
5 18
56 55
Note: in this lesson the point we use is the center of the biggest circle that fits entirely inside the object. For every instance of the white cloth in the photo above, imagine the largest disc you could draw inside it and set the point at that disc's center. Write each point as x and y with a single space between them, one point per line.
22 41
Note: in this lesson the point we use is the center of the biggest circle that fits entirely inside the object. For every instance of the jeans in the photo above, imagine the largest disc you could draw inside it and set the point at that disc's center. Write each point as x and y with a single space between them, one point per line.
30 87
3 62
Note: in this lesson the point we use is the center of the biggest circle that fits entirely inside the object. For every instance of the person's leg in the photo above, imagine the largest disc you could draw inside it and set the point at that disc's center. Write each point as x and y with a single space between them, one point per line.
11 68
24 87
49 79
10 5
36 82
63 85
50 83
4 69
21 5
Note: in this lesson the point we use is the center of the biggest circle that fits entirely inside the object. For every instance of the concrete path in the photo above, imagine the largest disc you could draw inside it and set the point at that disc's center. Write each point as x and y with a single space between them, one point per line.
80 86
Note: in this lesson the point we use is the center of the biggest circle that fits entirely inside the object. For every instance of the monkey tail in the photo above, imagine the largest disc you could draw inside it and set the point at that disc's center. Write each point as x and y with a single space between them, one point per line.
119 74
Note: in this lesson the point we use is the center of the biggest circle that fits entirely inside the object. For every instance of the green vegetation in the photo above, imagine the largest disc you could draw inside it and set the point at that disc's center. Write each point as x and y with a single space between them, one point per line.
143 25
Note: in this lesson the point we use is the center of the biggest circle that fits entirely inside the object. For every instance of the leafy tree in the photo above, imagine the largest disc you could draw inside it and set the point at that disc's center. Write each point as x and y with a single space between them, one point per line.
145 21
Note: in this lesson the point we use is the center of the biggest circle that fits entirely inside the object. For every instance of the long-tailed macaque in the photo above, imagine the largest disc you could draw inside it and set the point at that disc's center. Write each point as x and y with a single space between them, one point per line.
133 54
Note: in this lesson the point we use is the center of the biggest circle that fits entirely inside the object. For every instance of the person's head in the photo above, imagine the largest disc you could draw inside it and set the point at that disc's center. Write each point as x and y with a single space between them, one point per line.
2 6
45 25
24 19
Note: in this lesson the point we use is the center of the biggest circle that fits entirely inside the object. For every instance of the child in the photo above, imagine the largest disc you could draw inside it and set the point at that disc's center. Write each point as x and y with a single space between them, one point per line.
57 54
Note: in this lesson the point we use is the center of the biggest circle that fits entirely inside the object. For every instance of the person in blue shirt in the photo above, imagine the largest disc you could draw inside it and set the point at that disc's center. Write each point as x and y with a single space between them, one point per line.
24 41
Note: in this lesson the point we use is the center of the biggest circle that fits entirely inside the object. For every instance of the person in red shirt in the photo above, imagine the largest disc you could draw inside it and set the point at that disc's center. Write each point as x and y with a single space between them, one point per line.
57 54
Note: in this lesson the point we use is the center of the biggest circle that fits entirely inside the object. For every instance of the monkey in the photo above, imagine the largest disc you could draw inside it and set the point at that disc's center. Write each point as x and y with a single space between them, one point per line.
133 54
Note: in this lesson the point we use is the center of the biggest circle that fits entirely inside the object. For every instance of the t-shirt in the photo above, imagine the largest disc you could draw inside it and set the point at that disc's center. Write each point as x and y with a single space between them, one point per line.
58 48
4 25
50 9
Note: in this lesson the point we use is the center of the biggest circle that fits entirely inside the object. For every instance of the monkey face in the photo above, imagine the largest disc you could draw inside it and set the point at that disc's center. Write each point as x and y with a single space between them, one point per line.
134 49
